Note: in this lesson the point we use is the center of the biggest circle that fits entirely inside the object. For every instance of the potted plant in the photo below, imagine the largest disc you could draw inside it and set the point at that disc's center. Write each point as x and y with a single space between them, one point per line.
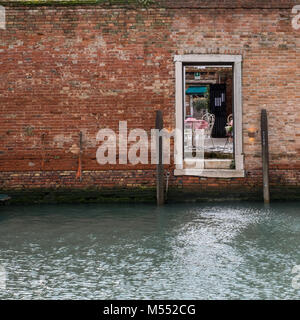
202 103
228 128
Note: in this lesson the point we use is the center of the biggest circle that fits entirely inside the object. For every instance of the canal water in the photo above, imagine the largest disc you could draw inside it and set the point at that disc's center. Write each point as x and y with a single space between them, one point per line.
199 251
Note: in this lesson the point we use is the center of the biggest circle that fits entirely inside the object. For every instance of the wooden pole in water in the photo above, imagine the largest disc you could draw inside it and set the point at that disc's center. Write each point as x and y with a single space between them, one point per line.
159 166
265 155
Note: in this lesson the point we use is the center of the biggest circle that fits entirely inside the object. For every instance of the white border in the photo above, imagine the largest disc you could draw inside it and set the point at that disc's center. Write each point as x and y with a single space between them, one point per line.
238 114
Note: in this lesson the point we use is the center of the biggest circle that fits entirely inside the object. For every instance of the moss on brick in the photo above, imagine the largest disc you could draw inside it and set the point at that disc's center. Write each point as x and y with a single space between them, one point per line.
144 195
88 195
139 3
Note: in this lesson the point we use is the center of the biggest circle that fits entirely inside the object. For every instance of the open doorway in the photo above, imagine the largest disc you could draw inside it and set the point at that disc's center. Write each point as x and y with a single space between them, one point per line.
208 105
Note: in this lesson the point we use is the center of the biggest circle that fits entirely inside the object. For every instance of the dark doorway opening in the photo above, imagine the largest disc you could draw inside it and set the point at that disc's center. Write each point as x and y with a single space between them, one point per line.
218 108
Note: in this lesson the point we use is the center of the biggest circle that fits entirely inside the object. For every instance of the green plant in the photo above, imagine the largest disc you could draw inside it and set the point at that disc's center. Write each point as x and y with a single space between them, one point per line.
200 104
228 129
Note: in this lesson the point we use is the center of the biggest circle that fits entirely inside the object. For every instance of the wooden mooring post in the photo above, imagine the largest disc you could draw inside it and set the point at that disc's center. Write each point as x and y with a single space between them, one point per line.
159 167
265 155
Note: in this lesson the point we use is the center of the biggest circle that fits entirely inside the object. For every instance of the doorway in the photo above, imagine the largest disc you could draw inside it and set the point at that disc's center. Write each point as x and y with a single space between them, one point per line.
208 105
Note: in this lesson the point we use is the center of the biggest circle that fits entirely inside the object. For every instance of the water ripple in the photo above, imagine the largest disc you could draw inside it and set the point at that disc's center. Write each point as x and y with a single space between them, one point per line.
215 251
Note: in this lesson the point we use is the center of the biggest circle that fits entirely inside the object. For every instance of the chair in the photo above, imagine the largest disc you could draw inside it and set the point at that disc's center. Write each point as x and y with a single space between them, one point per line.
229 119
210 119
229 128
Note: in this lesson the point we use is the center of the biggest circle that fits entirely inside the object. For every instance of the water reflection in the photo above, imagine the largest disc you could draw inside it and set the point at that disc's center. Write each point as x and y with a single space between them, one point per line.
223 251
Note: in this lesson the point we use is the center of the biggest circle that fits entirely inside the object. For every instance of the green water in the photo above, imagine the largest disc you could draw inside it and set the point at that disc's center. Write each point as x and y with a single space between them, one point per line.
205 251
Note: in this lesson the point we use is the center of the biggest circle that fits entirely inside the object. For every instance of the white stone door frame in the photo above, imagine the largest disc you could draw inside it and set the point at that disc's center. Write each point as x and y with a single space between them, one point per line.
236 61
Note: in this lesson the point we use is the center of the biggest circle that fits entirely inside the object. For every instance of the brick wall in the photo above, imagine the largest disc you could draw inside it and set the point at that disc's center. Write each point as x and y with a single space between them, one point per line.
82 68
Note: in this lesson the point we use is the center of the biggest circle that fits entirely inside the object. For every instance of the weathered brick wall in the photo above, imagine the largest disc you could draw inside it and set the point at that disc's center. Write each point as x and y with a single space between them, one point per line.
82 68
